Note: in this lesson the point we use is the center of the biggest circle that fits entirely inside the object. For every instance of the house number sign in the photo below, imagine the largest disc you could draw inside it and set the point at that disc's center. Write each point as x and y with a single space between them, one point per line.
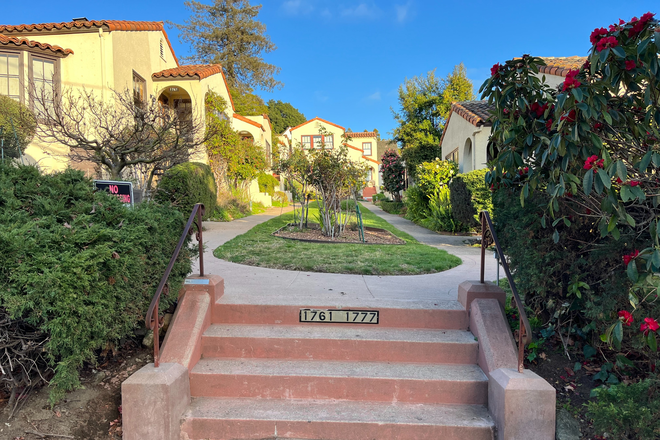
340 316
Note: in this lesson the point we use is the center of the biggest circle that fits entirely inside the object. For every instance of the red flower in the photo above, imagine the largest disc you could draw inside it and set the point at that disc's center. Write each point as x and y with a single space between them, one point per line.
606 42
627 317
495 70
638 27
523 171
619 181
630 64
629 257
649 324
598 125
633 183
571 82
592 162
596 34
538 109
548 124
570 117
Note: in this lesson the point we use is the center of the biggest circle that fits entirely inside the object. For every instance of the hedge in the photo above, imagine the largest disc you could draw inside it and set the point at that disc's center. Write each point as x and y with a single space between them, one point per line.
469 196
186 184
79 265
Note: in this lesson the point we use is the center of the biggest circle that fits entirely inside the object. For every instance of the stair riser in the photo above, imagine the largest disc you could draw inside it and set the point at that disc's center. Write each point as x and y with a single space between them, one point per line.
339 388
289 315
344 350
259 429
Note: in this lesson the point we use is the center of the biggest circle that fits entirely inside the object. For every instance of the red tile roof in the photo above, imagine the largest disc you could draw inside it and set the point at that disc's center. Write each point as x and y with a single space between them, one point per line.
361 134
317 119
199 71
475 112
6 41
90 25
249 121
560 66
370 159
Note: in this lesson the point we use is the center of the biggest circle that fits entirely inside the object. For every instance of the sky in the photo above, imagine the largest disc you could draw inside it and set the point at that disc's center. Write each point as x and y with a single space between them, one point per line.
344 60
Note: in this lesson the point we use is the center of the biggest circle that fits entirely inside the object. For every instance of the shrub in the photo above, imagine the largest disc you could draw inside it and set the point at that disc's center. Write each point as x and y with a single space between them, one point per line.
469 196
440 216
416 202
267 184
393 173
391 207
431 176
79 265
280 199
16 122
186 184
380 197
231 207
627 411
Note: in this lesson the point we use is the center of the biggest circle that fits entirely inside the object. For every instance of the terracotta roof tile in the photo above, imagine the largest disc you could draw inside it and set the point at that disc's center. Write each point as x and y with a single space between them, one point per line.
6 41
317 119
199 71
361 134
560 66
83 26
475 112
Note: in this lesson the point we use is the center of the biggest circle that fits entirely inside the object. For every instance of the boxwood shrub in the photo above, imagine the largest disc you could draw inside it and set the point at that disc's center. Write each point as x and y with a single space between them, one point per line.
186 184
79 265
469 196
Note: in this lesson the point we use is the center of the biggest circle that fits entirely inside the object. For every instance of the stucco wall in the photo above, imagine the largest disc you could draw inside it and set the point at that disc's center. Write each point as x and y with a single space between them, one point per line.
457 134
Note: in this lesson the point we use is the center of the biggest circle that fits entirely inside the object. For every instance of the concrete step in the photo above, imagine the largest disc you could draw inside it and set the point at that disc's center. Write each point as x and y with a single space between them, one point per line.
238 419
336 342
365 381
449 315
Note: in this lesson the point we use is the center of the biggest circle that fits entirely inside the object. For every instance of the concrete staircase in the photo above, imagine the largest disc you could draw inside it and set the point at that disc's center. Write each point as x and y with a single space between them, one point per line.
264 375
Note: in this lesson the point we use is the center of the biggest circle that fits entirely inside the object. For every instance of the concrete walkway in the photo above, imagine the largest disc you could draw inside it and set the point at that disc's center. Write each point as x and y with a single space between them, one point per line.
265 286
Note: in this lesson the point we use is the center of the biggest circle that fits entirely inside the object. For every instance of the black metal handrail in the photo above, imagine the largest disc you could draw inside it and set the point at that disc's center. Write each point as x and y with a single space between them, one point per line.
152 313
524 329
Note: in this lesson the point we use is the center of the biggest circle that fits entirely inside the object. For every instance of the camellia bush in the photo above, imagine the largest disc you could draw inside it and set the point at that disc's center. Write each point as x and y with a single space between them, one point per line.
590 152
394 173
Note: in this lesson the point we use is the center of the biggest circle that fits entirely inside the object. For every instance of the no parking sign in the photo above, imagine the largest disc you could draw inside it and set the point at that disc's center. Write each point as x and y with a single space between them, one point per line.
122 190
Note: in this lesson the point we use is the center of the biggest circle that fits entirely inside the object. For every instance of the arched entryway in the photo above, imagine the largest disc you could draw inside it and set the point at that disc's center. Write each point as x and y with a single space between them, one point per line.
467 156
178 99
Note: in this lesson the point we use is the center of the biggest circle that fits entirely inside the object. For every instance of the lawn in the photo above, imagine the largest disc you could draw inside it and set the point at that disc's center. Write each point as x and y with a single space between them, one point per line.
258 247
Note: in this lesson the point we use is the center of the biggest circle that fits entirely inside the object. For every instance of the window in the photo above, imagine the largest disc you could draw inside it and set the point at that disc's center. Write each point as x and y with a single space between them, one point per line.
43 75
453 156
370 174
317 140
9 76
366 147
139 88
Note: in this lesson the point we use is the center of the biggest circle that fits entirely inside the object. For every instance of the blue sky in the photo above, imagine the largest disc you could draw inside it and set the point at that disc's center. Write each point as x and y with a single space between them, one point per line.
343 60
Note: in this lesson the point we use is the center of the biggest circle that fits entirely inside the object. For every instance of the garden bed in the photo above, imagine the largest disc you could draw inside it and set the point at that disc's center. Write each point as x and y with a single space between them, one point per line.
313 234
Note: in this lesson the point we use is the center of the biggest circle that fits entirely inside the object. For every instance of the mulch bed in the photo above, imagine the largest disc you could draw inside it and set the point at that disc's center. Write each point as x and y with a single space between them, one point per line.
313 234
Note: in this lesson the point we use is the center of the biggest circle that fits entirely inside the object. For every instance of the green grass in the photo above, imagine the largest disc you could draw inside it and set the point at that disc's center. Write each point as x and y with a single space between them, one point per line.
258 247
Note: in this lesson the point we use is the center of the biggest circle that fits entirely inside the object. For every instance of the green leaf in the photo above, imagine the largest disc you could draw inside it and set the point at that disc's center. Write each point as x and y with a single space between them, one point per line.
626 194
655 259
597 141
631 271
644 163
612 379
618 51
642 46
577 366
652 342
617 335
555 236
607 117
630 220
612 224
621 170
622 361
604 178
577 93
603 55
588 182
616 233
561 99
588 351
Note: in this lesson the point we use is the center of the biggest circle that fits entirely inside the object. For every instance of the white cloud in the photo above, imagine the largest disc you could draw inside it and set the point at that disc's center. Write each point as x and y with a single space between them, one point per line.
297 7
374 96
403 12
362 10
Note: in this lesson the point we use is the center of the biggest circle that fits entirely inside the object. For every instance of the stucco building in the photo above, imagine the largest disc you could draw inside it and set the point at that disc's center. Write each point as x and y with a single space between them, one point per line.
362 147
105 56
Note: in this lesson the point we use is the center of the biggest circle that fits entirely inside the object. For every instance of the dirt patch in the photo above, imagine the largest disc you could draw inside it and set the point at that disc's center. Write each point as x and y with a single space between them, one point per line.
350 235
92 412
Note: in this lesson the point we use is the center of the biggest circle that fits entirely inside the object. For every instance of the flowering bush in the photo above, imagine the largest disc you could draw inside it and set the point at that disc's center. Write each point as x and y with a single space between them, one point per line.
594 152
431 176
393 173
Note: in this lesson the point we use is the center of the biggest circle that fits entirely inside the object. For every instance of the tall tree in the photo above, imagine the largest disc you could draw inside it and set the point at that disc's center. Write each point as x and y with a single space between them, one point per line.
228 33
456 87
425 104
247 103
282 115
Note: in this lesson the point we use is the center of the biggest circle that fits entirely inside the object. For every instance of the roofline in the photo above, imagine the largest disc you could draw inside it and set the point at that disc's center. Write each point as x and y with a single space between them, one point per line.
318 119
370 159
31 44
249 121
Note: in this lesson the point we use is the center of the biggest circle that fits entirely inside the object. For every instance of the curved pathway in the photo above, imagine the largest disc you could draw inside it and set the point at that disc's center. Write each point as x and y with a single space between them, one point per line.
262 285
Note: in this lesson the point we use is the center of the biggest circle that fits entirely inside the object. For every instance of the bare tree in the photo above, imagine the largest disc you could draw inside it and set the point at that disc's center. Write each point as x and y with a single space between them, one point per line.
119 133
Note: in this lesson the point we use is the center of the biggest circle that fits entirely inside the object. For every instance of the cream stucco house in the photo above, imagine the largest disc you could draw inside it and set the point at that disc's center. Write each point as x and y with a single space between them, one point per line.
362 146
465 137
111 55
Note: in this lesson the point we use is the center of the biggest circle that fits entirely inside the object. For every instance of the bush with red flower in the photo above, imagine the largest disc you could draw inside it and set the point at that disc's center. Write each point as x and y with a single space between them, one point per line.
598 141
393 172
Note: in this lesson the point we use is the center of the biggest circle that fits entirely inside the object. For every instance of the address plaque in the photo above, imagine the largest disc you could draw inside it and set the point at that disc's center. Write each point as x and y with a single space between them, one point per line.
340 316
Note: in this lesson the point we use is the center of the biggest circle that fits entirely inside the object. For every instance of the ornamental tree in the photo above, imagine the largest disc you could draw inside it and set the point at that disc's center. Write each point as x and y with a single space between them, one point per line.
393 173
591 145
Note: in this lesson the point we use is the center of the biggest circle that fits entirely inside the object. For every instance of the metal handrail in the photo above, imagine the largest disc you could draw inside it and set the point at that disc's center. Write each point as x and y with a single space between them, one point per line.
524 329
152 313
